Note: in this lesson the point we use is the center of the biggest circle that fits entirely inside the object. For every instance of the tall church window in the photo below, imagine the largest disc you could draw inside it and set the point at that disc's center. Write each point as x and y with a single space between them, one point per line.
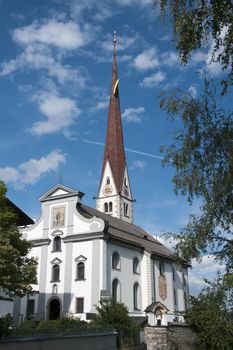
184 279
161 269
173 274
57 244
175 297
80 271
105 207
136 296
115 261
79 305
135 265
110 206
115 290
126 209
185 301
108 181
55 273
30 308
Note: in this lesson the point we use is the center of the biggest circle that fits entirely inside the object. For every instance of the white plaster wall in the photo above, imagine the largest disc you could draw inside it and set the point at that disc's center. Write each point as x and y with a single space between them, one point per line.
81 289
125 274
144 280
6 307
177 284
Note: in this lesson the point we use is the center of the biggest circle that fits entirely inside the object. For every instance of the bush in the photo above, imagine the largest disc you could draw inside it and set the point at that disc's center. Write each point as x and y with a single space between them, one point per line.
5 325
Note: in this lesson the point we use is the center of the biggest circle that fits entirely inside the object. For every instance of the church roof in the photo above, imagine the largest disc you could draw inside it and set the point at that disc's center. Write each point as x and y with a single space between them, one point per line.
123 231
114 145
22 218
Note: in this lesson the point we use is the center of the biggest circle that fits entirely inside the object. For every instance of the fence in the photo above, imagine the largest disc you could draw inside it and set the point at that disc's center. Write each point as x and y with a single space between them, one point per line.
126 339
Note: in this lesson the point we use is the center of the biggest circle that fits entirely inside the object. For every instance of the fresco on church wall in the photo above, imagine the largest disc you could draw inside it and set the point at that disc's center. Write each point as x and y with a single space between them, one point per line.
58 217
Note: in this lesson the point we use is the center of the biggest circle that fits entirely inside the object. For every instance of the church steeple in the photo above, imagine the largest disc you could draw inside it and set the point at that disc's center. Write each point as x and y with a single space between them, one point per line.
114 195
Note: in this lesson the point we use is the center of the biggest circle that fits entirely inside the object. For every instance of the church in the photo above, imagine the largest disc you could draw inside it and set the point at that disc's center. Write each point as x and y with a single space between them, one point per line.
87 255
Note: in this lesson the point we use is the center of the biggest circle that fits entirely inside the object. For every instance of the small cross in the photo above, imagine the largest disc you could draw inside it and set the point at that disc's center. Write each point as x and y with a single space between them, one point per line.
60 178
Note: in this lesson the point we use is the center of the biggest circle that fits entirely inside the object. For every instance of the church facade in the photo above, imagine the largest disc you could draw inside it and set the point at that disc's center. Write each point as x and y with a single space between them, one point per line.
86 255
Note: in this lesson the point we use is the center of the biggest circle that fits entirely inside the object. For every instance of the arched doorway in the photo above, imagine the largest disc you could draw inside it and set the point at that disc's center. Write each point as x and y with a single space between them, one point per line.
54 309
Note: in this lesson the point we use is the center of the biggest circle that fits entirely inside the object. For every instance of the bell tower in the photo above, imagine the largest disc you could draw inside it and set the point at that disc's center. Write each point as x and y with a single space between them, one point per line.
114 195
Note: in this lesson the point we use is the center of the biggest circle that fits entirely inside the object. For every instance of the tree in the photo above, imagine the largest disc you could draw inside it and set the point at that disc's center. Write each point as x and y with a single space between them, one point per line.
202 155
211 314
202 151
17 270
114 315
197 22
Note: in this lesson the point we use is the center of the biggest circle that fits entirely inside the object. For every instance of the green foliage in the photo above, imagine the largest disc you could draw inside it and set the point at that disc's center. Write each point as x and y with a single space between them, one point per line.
196 22
5 324
17 271
63 325
114 315
202 155
211 314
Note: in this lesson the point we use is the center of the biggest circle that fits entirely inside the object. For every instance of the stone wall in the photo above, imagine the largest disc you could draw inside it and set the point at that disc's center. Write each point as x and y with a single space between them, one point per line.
156 338
79 342
172 337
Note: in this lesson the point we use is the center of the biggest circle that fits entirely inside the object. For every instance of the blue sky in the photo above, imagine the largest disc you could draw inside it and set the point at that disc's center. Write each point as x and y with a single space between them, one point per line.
55 75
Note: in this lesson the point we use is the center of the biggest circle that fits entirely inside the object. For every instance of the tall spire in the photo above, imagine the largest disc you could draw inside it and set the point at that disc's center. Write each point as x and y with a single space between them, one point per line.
114 146
114 195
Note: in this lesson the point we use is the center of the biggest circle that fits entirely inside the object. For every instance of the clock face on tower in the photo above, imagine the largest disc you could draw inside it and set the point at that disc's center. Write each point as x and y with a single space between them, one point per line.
107 190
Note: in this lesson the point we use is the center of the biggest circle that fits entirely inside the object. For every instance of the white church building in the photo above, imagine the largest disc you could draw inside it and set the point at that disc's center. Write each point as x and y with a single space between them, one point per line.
86 255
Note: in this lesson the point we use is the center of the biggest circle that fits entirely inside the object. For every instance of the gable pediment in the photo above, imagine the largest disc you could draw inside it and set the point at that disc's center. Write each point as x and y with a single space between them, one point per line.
60 191
56 261
80 258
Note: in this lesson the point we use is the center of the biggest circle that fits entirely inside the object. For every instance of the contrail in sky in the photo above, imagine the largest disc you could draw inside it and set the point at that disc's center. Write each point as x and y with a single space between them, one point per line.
127 149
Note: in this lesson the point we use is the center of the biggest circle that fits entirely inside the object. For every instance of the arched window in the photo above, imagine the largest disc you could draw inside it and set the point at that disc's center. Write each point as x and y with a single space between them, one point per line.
126 209
174 297
161 269
185 301
184 279
80 271
55 289
108 181
57 244
110 206
105 207
115 290
115 261
173 274
136 296
135 265
55 273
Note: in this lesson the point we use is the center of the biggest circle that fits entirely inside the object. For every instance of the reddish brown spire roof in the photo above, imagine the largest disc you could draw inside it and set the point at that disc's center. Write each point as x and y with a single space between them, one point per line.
114 145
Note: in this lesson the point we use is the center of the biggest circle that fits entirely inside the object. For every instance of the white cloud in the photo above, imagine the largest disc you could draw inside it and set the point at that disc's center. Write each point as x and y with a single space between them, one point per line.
60 113
153 80
100 105
30 172
44 47
139 164
192 90
170 58
133 115
63 35
206 269
37 57
141 3
146 60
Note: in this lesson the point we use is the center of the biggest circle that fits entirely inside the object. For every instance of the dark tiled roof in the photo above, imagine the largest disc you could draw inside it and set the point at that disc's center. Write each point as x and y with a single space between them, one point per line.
23 218
129 233
114 151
